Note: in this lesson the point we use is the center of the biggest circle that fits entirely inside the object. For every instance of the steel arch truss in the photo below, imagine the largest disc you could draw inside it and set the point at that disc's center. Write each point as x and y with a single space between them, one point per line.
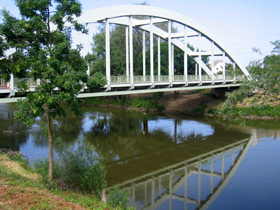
128 16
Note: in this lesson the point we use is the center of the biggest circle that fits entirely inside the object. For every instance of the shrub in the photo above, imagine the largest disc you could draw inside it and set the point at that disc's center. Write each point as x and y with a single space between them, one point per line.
213 111
42 168
77 168
259 110
199 110
118 198
158 95
146 103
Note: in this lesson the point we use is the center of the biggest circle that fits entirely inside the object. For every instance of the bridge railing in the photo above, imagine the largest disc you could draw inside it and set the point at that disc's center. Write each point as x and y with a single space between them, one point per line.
161 78
174 78
193 78
179 78
219 77
240 77
120 79
3 84
29 81
142 79
206 77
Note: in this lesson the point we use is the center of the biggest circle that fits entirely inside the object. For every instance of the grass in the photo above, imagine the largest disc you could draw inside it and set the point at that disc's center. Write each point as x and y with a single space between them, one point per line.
27 192
257 111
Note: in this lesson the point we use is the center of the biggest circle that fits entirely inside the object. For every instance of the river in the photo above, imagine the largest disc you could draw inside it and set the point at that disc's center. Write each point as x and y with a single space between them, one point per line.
168 161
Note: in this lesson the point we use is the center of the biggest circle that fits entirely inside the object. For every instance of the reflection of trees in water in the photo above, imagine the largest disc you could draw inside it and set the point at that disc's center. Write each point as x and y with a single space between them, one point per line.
123 136
68 128
12 132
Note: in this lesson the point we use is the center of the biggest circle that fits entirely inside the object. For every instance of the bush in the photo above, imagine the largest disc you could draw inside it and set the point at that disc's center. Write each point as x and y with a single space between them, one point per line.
213 111
118 198
199 110
42 168
158 95
77 168
146 103
259 110
96 81
118 100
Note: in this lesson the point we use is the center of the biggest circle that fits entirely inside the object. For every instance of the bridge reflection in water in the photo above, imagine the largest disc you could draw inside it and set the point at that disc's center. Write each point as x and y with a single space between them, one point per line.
195 182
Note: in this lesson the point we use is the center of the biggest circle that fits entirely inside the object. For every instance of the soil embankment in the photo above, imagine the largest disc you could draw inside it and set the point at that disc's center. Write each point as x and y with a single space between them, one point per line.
185 100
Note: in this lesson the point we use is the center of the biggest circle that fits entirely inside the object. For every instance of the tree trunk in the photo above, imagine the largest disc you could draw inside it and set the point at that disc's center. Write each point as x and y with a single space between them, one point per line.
50 138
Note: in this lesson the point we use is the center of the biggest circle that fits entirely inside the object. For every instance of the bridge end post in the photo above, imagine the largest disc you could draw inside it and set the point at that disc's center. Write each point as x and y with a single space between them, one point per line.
12 86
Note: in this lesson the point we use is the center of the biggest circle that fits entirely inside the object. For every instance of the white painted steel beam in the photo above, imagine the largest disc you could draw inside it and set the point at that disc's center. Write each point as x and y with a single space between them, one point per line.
159 61
127 50
173 61
100 14
147 21
108 56
179 44
163 34
131 52
186 187
151 51
169 53
186 55
199 57
217 192
196 54
212 58
224 66
144 53
182 35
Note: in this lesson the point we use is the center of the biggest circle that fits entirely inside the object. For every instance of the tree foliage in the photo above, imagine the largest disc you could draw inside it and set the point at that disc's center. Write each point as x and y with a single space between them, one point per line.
264 85
41 39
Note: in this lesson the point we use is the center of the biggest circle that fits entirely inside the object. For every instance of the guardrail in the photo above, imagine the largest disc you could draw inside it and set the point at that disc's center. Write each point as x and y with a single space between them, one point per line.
3 83
29 81
181 79
120 79
174 78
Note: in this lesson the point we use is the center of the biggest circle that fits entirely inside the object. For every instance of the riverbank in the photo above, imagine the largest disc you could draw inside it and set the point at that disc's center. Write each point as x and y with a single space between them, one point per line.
199 102
168 102
20 188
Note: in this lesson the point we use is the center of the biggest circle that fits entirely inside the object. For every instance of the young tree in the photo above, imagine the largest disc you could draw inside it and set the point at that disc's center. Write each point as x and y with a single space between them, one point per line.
265 80
42 40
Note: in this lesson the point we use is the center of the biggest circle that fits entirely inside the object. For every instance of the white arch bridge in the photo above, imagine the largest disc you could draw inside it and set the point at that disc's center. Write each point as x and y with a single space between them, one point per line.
147 19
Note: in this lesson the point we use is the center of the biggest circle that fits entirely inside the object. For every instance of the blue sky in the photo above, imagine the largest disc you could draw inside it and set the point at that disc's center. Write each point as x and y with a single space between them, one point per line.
240 24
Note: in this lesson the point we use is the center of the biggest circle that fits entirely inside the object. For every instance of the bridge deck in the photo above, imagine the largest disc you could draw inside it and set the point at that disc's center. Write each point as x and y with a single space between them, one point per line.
121 85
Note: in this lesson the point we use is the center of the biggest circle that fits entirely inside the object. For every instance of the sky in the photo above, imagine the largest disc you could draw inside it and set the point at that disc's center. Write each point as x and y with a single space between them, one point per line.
240 24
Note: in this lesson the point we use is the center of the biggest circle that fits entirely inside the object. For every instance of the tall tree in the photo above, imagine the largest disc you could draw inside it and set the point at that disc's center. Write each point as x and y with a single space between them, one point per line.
264 84
42 42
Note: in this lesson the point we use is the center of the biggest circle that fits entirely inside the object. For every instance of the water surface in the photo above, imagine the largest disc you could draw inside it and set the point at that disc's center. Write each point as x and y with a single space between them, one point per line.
167 162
